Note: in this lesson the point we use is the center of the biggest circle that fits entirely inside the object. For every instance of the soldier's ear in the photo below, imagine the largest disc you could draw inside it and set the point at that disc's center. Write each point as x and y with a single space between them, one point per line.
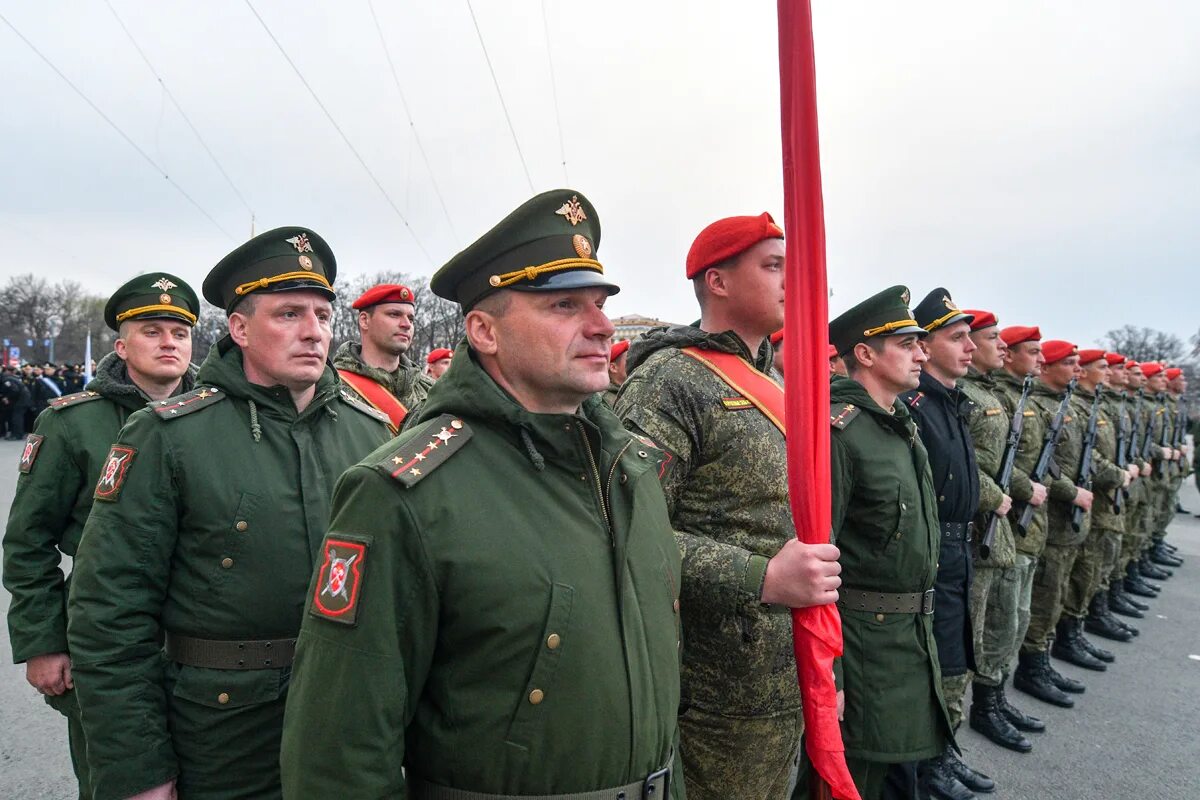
238 325
481 332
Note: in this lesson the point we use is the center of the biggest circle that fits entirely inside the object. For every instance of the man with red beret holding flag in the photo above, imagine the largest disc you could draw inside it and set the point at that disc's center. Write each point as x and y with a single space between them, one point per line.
705 395
378 370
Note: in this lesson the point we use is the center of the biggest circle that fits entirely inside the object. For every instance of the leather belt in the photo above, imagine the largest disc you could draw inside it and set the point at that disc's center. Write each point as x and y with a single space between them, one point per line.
957 531
654 786
886 602
244 654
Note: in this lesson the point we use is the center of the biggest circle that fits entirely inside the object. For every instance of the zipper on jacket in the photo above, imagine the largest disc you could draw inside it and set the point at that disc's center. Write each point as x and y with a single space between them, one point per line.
599 486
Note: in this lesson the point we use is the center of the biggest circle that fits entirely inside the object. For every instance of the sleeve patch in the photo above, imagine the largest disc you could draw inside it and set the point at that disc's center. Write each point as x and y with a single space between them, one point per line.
665 457
340 579
33 443
112 474
841 417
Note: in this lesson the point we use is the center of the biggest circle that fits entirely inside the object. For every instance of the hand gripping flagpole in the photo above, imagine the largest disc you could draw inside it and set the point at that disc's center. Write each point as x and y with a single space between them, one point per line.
816 631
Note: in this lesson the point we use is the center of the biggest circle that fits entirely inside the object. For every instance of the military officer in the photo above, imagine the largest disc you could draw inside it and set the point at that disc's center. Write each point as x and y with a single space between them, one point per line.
998 581
209 511
153 315
527 643
885 523
705 394
437 362
1106 525
378 369
617 373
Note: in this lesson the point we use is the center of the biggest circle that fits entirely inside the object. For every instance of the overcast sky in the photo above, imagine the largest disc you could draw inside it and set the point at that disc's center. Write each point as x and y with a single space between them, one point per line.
1038 159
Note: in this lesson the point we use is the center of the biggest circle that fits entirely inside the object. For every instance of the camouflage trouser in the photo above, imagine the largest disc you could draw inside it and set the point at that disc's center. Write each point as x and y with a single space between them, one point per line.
1045 605
1004 616
1162 508
1110 556
954 688
67 704
746 757
1085 574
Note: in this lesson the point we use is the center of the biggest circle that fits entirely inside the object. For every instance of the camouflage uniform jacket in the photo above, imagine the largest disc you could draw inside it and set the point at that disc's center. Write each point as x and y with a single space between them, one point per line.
610 394
1066 463
57 472
409 384
1108 431
1008 388
726 489
989 424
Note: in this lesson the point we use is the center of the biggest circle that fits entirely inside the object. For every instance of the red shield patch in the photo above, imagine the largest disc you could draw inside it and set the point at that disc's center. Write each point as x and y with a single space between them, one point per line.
33 443
112 474
339 581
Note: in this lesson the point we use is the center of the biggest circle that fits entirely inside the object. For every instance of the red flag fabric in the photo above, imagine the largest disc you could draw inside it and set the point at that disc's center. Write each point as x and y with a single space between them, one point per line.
817 631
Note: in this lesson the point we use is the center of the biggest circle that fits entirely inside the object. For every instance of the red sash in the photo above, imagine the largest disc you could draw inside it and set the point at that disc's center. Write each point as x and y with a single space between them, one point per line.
743 378
378 397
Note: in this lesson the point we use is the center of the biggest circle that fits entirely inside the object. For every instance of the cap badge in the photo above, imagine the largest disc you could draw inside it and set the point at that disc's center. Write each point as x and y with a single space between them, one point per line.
572 211
163 284
582 246
305 261
949 303
300 242
905 297
165 299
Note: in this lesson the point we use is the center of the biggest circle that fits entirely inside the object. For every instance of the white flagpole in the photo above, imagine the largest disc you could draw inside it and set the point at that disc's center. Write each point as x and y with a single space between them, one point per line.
87 359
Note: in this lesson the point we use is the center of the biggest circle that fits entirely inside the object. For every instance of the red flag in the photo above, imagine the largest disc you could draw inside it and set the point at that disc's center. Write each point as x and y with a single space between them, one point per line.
816 631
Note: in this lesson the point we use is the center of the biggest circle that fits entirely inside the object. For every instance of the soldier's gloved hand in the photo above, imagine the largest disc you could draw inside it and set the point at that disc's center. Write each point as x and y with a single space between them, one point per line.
50 673
163 792
1005 504
801 575
1083 498
1039 494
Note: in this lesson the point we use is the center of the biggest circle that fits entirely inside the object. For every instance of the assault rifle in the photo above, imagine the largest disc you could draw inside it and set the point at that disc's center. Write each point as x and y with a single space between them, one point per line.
1045 464
1181 421
1148 438
1123 458
1084 479
1004 479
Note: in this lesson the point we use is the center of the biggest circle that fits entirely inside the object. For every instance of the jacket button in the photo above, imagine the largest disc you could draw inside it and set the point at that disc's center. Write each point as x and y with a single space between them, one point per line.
903 507
223 698
227 562
537 696
553 641
624 477
942 498
899 534
242 525
879 618
675 605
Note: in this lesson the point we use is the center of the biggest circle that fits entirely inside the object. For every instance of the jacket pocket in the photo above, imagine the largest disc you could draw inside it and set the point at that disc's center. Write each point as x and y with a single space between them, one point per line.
539 689
225 689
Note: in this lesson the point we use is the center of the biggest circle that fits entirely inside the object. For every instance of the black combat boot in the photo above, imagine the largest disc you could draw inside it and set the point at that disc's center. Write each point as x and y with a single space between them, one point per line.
1067 647
1107 656
988 719
1134 583
1019 719
1101 622
1033 677
1179 509
970 778
1163 557
1154 573
938 781
1062 681
1118 603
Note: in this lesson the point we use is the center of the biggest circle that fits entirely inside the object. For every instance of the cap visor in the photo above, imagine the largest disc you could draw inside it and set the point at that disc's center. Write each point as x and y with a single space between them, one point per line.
917 329
560 281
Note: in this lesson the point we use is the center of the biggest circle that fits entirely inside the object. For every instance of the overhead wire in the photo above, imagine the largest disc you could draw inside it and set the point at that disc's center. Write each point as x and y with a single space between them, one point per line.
500 94
179 108
412 125
362 162
562 147
115 127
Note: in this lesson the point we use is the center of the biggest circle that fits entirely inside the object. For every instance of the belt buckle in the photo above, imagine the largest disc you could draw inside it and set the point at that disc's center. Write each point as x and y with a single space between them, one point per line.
648 785
927 602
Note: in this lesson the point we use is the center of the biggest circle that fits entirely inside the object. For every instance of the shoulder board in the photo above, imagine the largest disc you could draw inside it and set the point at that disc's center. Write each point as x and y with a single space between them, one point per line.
842 415
916 399
352 400
68 400
425 448
183 404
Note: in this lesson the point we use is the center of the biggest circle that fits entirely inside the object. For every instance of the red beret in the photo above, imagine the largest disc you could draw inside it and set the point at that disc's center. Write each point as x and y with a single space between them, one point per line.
1151 368
1114 359
1090 355
777 336
1131 364
833 351
1056 350
617 349
384 293
438 354
1173 373
983 319
727 237
1015 334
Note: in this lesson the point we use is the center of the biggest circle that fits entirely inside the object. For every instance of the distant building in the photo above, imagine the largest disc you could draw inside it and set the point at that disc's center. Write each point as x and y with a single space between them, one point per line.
633 326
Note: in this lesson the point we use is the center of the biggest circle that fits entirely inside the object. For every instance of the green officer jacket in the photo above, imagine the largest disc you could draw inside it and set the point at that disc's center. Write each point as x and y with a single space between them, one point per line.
515 628
211 509
726 488
989 425
885 523
57 472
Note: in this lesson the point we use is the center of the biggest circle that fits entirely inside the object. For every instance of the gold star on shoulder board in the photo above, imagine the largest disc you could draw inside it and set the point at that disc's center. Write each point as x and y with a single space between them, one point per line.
397 459
431 446
419 456
415 471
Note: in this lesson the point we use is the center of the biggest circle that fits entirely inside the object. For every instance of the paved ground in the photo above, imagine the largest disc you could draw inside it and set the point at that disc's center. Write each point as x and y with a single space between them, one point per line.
1133 734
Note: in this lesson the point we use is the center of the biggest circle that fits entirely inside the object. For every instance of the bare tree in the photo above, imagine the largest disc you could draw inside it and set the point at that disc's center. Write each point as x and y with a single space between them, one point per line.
439 321
1145 344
